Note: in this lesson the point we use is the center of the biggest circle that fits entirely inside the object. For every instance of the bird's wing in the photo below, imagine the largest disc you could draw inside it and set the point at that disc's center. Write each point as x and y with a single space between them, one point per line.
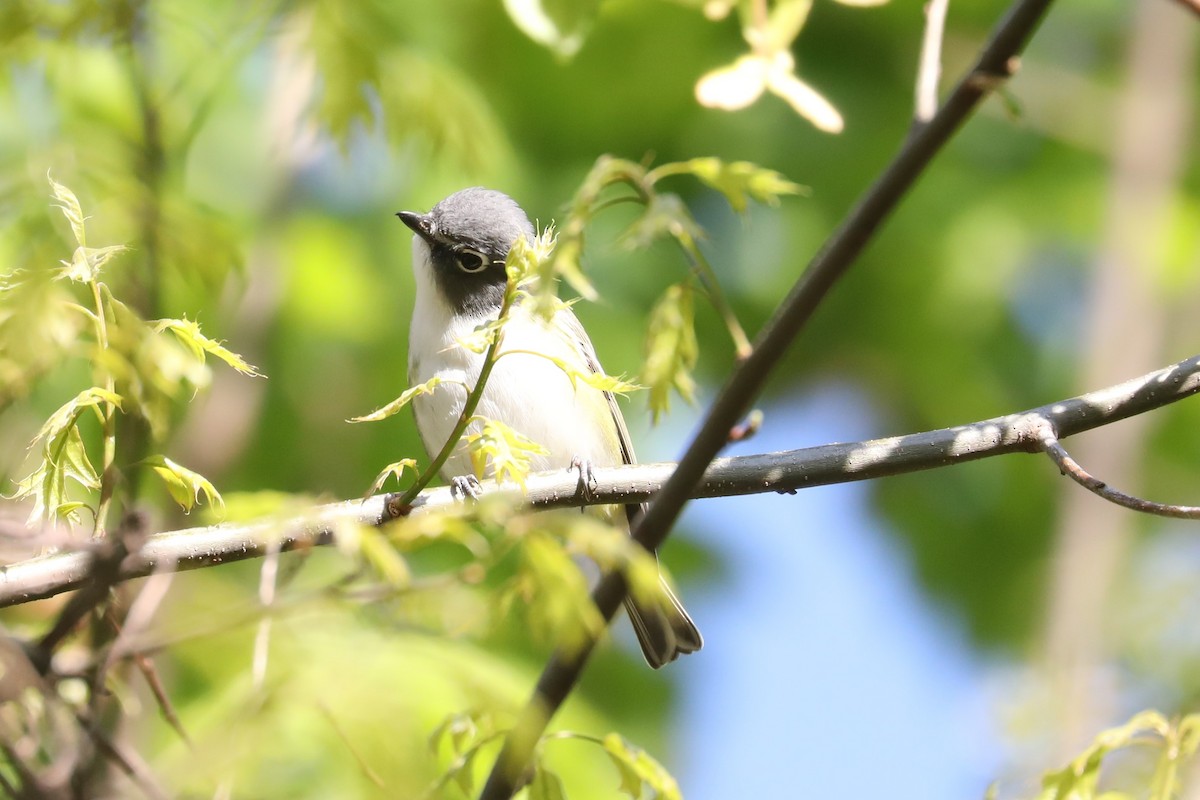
574 328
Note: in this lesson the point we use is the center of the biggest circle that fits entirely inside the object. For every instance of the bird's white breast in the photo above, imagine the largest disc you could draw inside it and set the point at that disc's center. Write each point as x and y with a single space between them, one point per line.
528 393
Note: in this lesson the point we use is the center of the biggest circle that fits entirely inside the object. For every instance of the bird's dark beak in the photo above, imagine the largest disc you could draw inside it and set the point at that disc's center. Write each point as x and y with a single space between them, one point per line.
420 223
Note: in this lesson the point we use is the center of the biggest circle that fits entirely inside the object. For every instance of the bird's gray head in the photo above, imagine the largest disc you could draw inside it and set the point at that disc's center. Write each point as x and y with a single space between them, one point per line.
469 235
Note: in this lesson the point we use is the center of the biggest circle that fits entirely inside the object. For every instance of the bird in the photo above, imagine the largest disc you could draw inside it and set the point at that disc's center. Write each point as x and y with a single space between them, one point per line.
458 258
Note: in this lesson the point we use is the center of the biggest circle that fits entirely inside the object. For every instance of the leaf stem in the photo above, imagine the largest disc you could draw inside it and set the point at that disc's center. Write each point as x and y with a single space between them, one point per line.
468 412
107 421
712 287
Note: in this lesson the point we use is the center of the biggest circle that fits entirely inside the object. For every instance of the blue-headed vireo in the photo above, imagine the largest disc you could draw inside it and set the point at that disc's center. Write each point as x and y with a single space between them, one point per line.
458 261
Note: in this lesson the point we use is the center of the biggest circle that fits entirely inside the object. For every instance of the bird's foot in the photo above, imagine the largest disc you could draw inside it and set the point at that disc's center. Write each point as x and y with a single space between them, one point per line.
587 479
465 487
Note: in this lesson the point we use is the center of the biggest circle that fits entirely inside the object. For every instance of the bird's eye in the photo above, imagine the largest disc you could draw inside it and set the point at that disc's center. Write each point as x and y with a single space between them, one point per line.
472 261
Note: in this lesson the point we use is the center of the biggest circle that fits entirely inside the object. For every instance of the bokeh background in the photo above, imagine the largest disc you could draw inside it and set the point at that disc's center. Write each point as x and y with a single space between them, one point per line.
921 636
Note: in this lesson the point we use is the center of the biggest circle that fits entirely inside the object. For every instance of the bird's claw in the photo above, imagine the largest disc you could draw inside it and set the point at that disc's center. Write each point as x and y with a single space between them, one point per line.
587 478
465 487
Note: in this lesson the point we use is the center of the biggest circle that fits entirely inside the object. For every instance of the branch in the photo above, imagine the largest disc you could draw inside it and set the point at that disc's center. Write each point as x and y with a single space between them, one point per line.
995 64
788 471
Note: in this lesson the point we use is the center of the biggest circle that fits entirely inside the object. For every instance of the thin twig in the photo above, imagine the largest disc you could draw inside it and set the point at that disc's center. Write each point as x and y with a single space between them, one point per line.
108 422
137 620
996 63
149 670
102 570
194 548
712 287
266 597
128 761
366 768
141 611
1072 469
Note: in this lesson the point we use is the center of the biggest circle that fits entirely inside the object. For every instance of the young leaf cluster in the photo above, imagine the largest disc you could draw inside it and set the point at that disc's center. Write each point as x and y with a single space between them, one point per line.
140 368
1175 740
462 736
670 344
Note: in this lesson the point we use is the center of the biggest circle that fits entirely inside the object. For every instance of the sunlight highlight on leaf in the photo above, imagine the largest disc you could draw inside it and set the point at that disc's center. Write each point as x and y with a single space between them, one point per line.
508 452
86 263
400 402
184 485
395 469
741 181
189 335
69 204
671 349
637 767
553 592
546 785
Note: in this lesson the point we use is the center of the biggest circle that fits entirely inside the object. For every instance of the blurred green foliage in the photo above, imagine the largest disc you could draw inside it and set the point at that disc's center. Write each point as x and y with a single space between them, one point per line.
250 155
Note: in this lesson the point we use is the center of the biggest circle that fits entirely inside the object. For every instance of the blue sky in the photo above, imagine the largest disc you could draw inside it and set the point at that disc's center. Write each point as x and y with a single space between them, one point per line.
826 671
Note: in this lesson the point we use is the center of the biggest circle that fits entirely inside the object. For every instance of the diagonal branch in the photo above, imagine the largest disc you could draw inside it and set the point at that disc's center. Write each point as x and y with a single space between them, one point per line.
996 64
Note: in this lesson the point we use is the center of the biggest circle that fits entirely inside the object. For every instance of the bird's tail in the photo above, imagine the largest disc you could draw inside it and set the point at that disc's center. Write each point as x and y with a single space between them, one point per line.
664 629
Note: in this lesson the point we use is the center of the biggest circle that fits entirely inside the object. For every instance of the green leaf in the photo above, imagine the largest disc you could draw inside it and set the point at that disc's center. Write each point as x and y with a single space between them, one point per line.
466 733
184 485
1078 780
671 349
554 592
560 25
665 215
74 461
151 370
400 402
636 767
568 264
596 380
526 257
1178 748
68 203
605 383
63 457
1189 735
546 785
740 181
70 510
379 553
481 338
460 729
396 469
68 413
86 263
189 335
508 452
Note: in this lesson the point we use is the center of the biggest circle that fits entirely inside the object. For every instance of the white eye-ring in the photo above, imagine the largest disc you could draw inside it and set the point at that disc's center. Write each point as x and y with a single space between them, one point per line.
472 261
